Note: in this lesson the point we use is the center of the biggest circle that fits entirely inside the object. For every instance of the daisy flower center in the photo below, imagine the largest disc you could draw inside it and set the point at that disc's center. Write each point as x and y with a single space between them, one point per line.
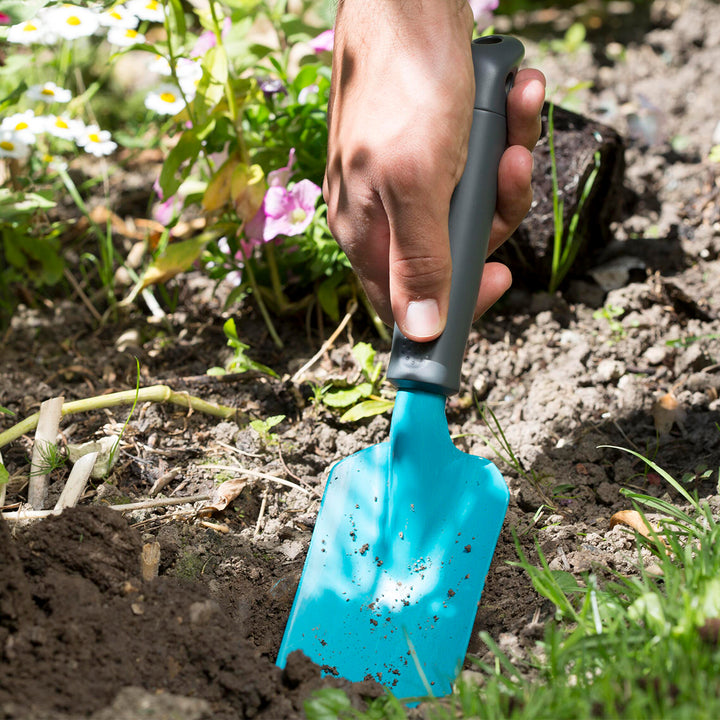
60 123
7 145
94 137
47 91
74 20
167 97
22 125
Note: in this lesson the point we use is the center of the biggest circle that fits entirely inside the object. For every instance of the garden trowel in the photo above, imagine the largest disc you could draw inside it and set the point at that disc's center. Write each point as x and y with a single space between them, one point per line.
407 528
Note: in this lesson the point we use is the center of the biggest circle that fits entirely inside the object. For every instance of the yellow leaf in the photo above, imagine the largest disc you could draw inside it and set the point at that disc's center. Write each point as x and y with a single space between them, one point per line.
223 495
217 193
177 258
247 189
633 519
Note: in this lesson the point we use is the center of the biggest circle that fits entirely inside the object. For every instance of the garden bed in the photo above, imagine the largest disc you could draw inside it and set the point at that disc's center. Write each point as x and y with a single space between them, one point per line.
81 634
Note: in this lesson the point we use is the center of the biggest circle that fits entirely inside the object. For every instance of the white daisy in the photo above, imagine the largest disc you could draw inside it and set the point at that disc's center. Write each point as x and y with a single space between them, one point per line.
189 74
160 65
49 92
27 33
24 124
118 17
72 21
63 127
151 10
124 37
12 147
96 141
165 100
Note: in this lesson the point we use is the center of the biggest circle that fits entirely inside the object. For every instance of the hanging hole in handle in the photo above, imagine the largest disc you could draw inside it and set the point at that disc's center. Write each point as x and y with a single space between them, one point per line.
488 40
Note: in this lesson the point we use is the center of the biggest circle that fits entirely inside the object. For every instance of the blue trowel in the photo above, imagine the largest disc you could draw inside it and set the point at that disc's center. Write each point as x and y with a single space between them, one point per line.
407 528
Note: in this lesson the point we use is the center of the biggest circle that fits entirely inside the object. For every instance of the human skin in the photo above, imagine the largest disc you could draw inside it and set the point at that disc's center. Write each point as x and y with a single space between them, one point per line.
399 120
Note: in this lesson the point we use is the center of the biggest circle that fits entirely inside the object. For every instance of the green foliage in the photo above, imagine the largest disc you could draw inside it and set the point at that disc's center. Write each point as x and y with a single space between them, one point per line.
333 704
264 429
611 313
566 244
239 362
361 400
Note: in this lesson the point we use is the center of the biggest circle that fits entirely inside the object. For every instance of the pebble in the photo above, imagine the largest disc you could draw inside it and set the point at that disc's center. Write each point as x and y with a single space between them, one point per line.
609 370
655 355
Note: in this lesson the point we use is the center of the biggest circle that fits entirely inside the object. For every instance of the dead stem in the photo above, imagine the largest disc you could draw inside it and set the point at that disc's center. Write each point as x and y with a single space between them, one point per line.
154 393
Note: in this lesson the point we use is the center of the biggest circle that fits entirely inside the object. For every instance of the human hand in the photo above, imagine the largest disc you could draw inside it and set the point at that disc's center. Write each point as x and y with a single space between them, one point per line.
400 115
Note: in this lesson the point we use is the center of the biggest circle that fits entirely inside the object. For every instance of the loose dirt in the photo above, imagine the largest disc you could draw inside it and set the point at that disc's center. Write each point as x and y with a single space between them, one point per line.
628 355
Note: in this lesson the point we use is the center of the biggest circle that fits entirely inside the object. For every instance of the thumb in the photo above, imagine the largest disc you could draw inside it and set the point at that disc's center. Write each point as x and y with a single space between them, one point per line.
420 269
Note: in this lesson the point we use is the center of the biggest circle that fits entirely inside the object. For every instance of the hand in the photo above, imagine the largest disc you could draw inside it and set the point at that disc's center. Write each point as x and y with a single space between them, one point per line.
399 121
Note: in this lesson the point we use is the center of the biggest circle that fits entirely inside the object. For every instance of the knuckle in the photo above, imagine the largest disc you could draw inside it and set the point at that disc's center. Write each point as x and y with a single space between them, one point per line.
422 273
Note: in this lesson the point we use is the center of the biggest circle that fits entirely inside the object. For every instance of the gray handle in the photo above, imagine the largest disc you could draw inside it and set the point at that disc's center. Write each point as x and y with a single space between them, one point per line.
436 365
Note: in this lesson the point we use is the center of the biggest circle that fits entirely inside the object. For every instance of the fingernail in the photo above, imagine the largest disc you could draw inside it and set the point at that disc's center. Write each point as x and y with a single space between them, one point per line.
422 319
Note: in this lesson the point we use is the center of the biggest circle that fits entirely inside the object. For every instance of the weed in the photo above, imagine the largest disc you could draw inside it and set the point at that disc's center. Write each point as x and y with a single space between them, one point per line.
611 313
566 245
239 362
264 429
363 399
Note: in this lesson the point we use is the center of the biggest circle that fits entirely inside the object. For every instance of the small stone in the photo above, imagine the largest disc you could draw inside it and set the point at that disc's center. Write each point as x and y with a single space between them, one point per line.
609 370
655 355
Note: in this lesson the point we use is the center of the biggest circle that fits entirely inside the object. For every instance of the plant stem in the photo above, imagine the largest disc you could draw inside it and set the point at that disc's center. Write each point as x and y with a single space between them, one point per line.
247 266
271 258
154 393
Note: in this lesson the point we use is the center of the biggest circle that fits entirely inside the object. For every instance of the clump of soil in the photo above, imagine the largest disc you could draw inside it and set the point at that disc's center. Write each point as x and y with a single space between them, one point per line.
78 626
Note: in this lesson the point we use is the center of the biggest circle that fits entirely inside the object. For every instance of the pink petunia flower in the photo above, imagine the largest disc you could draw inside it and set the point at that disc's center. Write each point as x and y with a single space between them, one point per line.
289 212
323 42
208 40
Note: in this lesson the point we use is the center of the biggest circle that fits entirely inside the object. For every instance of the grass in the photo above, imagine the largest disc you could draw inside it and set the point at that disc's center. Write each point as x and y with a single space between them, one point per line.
642 646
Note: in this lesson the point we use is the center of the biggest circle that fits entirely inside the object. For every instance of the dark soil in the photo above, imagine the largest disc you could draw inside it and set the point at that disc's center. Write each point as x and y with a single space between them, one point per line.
82 635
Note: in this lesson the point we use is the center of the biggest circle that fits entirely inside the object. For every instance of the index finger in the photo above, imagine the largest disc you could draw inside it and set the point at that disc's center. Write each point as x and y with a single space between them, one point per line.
524 103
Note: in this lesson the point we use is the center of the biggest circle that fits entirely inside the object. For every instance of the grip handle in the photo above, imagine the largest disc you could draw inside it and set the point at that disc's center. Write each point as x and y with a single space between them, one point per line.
435 366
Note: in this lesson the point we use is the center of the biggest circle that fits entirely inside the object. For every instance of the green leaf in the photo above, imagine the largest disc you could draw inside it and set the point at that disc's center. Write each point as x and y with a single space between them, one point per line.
176 19
367 408
4 475
21 10
5 411
15 205
186 151
177 257
327 704
364 355
327 297
345 398
13 97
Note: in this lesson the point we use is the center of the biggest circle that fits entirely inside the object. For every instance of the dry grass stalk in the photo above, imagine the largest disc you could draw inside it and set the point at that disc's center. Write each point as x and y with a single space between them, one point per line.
20 515
3 486
75 485
44 446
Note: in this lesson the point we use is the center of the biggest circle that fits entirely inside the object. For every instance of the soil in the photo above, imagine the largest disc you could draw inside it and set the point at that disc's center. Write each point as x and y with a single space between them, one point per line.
628 354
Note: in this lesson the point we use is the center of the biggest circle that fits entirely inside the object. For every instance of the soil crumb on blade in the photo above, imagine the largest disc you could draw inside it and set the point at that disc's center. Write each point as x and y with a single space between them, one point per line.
81 635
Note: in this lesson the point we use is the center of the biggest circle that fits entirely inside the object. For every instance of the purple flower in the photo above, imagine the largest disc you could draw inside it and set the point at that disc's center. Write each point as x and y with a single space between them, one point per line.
272 87
289 212
324 41
482 9
284 212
